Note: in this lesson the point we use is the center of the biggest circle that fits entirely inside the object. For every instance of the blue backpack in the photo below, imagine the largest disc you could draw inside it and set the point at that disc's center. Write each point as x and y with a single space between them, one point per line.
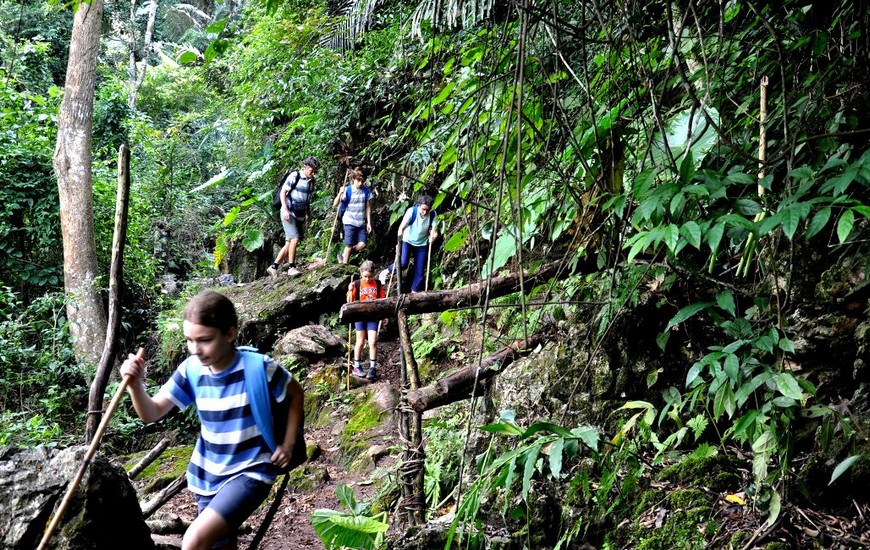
432 215
342 205
269 421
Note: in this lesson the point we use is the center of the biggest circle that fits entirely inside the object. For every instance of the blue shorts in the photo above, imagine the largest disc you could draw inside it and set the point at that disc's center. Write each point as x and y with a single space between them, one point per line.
366 325
354 235
292 228
235 502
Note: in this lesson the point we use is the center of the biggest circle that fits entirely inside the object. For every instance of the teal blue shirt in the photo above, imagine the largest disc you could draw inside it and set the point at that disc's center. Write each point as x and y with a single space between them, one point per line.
417 233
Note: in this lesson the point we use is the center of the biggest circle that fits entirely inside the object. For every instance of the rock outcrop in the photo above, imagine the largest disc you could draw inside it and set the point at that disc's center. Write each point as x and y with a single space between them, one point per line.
103 514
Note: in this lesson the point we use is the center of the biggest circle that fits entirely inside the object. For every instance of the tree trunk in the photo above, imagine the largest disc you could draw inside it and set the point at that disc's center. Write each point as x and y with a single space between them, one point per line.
107 359
461 384
138 76
442 300
72 164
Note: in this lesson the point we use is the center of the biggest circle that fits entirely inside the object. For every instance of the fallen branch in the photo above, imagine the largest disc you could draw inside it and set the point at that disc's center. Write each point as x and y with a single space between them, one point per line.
459 385
170 525
148 458
163 496
442 300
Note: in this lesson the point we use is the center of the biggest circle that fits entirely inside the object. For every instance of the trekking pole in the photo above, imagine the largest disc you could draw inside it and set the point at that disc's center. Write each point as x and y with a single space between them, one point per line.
337 210
98 435
396 265
428 263
349 348
331 234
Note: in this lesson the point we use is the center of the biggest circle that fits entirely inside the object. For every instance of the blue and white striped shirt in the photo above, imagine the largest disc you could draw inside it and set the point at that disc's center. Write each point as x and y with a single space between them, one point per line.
355 214
230 443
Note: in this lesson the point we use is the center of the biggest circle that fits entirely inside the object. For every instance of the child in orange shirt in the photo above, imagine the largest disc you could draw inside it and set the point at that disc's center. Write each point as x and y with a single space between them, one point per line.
364 289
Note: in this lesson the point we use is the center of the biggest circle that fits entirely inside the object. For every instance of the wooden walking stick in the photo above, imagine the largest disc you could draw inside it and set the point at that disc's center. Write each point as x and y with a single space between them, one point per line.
349 333
95 443
428 263
337 210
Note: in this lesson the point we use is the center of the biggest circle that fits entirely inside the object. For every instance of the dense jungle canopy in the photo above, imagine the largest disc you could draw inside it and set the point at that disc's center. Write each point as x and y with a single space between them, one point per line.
698 171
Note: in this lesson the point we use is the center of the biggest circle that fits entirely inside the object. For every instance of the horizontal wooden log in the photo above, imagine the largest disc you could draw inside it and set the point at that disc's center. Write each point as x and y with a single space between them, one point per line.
163 496
459 385
442 300
148 458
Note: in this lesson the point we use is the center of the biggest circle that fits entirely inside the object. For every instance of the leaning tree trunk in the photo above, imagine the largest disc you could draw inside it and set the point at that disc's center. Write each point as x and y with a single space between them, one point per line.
72 164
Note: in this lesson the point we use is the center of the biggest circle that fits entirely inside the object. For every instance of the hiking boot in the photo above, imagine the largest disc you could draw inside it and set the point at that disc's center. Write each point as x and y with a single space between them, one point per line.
383 276
358 372
272 271
293 272
371 375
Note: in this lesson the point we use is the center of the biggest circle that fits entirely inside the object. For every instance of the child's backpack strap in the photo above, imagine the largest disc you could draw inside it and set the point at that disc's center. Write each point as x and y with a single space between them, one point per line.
257 388
413 215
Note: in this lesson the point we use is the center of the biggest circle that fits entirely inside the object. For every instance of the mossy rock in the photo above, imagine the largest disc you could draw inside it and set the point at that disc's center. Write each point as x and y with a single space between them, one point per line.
171 464
718 473
365 416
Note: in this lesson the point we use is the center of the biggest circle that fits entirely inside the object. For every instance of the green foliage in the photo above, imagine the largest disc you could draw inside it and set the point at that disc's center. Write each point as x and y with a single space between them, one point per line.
542 448
444 443
43 391
353 528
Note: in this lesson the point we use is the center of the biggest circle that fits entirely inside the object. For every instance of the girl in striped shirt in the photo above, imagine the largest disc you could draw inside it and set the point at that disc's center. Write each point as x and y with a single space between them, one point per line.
232 469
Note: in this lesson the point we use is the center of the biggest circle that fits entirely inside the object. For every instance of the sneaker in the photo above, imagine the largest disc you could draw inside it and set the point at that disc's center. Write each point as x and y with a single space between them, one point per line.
371 374
383 275
358 372
293 272
272 271
340 257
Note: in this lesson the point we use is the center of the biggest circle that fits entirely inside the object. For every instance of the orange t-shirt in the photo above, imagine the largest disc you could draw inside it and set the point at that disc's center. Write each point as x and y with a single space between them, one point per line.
368 290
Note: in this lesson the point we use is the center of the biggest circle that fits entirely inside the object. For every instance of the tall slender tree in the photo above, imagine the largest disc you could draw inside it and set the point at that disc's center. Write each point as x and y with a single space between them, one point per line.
72 164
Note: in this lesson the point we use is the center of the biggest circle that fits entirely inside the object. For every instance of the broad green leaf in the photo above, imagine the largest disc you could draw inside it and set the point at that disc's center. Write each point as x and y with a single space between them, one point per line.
819 221
725 300
786 345
788 386
253 239
691 231
529 470
686 313
747 389
187 57
844 226
842 467
792 217
457 240
546 427
588 435
732 367
217 27
671 236
556 457
714 236
774 508
231 215
502 428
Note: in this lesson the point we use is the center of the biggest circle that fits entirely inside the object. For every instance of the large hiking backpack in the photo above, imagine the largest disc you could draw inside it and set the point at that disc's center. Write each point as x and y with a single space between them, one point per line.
276 202
432 214
271 421
342 205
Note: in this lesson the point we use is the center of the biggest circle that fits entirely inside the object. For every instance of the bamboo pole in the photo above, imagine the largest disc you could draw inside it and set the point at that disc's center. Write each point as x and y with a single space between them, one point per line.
95 443
428 264
349 347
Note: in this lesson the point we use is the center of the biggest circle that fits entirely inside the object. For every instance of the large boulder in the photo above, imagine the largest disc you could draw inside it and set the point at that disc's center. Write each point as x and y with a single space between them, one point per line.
269 307
104 512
